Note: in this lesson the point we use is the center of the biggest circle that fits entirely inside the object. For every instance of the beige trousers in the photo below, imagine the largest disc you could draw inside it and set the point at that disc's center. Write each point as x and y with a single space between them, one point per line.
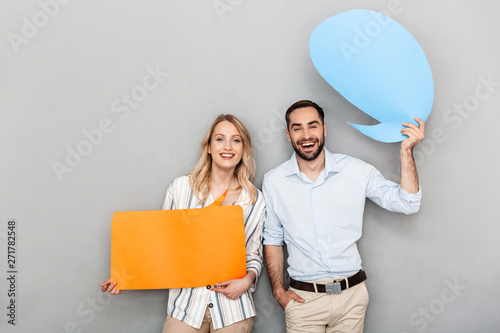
173 325
322 313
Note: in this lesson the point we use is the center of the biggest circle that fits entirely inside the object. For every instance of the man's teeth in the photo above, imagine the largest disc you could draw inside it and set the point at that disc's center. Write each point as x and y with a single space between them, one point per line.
308 144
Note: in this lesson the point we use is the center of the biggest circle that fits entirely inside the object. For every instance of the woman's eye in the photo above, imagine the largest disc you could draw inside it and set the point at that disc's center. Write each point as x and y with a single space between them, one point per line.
219 139
236 140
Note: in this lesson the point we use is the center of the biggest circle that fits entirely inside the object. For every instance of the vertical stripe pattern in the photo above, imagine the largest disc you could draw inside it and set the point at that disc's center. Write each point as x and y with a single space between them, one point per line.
189 304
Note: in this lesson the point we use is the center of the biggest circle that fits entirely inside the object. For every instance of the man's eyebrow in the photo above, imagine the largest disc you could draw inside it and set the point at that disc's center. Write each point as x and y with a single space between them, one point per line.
309 123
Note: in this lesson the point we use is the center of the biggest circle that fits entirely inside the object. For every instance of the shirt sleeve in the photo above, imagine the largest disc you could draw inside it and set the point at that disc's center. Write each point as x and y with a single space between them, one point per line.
253 232
169 198
273 229
390 195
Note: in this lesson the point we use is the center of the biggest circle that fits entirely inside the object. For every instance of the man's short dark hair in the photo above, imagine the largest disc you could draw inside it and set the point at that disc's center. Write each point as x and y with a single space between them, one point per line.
304 104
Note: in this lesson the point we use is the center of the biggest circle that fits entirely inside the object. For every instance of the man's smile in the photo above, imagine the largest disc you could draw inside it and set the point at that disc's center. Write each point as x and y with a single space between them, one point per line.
308 145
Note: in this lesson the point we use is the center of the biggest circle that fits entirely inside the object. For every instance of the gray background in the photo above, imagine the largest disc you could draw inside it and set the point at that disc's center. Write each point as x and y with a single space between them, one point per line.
435 271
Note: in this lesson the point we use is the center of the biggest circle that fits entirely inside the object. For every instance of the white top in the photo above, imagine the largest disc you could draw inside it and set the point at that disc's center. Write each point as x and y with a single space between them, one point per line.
189 304
321 221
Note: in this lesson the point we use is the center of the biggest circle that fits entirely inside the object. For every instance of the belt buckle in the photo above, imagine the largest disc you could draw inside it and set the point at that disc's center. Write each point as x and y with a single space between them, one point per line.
333 288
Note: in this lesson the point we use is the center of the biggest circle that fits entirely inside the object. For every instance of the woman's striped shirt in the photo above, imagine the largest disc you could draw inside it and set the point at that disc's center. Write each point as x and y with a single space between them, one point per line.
189 304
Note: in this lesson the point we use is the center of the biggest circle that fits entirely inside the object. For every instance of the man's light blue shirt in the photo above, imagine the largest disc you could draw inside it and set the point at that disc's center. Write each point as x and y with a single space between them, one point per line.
321 221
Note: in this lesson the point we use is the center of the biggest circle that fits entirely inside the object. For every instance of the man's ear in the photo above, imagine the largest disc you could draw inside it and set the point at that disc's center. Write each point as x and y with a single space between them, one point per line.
288 135
324 128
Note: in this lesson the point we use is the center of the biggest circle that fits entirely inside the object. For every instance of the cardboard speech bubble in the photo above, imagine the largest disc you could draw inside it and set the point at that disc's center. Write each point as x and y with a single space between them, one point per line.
378 66
178 248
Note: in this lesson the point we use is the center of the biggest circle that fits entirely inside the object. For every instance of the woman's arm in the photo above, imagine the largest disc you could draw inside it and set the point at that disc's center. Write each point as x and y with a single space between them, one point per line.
233 289
254 248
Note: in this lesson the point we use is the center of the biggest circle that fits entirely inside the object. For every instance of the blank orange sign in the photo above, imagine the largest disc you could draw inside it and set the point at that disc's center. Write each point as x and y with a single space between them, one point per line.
178 248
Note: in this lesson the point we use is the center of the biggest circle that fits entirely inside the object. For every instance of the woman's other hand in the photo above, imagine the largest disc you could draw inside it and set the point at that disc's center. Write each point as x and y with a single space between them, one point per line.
110 286
233 289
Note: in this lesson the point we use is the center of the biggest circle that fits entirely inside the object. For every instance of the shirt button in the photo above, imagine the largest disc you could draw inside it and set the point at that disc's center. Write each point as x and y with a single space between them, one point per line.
210 305
208 287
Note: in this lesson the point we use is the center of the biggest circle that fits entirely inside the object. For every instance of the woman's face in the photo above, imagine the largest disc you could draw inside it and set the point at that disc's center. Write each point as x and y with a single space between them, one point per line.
226 146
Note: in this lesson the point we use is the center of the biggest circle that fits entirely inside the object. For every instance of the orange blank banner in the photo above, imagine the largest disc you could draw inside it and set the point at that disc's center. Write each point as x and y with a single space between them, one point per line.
178 248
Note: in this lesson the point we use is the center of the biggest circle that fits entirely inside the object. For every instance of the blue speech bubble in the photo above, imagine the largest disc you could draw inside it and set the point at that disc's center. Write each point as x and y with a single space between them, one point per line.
378 66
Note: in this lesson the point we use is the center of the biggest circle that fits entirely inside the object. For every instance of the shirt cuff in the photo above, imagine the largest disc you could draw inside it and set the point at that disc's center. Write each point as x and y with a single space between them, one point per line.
411 197
253 286
273 242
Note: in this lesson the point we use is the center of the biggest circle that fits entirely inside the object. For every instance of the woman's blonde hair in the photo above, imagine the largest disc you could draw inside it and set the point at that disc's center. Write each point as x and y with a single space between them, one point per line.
245 170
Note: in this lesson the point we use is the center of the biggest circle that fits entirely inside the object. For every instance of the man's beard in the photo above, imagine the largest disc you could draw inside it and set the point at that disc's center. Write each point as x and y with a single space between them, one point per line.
312 155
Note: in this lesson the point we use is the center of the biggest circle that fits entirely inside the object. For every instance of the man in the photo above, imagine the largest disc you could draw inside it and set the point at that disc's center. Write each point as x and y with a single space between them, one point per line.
315 204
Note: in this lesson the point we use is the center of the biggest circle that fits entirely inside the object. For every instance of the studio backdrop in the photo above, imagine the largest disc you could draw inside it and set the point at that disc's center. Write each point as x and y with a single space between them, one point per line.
104 103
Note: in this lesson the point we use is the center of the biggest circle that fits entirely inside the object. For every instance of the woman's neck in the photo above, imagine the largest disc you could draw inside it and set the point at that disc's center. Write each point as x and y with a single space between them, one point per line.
223 177
222 180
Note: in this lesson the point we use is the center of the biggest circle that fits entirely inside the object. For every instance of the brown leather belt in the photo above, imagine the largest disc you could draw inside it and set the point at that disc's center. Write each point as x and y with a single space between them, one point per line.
330 288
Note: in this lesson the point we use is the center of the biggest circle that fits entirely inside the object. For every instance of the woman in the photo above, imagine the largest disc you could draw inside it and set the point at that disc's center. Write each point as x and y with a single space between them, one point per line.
226 162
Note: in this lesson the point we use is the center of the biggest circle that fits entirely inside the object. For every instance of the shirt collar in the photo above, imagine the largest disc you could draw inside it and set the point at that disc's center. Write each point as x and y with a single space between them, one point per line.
331 165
